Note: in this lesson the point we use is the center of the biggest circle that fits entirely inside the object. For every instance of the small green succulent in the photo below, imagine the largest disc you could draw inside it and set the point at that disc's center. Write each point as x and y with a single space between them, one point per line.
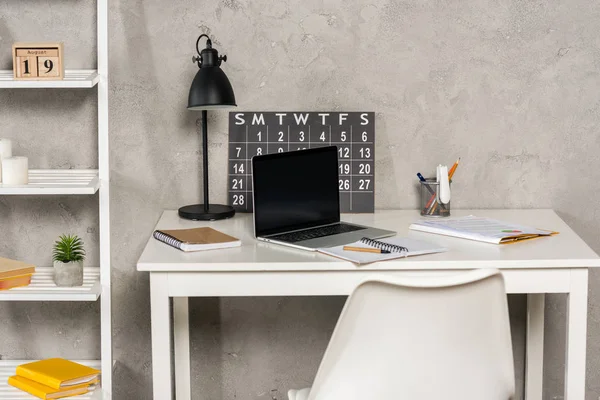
68 248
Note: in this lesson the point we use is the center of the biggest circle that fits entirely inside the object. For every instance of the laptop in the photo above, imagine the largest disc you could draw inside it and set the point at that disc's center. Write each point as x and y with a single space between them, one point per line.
297 201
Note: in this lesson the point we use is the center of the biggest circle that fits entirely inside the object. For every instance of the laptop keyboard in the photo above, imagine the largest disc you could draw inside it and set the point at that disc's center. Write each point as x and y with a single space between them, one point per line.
314 233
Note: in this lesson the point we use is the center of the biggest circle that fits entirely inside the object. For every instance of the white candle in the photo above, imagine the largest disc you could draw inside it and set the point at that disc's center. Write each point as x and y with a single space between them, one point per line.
5 152
15 171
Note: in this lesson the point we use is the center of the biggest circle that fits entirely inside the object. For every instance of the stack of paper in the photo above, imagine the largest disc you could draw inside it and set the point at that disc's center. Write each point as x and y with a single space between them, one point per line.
480 229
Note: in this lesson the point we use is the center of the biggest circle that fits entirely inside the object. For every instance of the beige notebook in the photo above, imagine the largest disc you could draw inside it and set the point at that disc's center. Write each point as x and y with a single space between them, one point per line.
196 239
11 268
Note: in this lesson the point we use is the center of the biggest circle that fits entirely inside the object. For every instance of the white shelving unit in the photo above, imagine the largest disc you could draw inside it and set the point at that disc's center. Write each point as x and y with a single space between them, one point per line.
42 288
97 285
56 182
7 392
83 78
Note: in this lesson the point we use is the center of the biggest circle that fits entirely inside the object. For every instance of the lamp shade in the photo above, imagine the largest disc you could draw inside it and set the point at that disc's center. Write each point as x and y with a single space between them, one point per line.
210 89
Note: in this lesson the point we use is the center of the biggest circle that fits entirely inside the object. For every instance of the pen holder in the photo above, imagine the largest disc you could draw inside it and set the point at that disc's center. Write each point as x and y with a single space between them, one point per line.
430 200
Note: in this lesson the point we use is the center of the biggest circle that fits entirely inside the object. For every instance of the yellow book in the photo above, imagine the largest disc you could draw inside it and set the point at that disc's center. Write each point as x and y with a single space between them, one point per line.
17 281
58 373
12 268
47 393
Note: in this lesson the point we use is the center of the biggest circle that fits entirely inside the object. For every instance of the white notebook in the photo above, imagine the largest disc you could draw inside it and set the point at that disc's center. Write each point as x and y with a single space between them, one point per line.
413 248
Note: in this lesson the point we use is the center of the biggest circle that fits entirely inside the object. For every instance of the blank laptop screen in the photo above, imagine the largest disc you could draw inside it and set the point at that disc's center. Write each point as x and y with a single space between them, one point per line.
295 190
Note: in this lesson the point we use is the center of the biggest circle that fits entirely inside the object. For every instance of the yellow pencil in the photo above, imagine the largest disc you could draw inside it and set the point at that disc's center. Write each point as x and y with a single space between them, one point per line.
453 169
365 250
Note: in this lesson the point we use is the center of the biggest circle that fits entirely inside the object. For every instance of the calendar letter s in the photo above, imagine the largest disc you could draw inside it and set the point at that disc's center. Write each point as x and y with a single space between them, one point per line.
239 119
364 119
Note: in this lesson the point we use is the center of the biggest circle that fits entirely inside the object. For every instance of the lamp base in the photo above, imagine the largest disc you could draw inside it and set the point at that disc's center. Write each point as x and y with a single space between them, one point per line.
215 211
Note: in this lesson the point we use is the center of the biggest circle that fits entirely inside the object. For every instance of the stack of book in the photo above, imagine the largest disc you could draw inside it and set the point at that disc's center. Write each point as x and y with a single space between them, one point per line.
14 273
55 378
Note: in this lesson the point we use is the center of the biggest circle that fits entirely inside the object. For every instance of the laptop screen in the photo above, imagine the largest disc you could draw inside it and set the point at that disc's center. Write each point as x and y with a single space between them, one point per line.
295 190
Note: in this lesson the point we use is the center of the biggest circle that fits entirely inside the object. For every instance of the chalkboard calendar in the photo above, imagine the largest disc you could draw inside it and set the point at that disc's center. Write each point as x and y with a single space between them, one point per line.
256 133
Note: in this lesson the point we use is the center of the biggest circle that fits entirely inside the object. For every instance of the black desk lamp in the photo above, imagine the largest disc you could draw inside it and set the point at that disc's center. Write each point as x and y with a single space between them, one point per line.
210 90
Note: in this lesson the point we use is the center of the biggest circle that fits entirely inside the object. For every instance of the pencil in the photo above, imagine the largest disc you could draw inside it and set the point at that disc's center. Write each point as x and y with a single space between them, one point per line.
453 169
365 250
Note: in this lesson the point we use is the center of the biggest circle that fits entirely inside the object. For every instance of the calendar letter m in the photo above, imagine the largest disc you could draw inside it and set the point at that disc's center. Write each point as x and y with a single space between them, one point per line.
258 119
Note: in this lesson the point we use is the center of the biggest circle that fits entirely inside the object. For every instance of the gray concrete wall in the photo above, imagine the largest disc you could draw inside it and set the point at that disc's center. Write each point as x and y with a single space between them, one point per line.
511 86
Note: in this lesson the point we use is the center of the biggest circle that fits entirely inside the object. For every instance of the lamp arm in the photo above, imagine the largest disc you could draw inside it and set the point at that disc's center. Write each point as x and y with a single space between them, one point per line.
205 158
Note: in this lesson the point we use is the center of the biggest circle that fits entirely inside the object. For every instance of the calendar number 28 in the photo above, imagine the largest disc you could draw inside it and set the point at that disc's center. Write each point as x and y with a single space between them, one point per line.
238 199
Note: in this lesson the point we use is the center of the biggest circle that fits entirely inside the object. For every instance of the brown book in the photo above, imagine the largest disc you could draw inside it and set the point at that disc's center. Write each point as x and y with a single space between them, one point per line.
11 268
197 239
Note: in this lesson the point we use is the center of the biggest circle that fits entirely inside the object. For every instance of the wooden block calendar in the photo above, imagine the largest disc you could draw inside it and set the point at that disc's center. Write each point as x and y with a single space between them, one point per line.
256 133
38 61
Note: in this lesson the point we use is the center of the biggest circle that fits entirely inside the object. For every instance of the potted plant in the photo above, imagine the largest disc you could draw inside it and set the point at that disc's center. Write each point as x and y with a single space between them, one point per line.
68 255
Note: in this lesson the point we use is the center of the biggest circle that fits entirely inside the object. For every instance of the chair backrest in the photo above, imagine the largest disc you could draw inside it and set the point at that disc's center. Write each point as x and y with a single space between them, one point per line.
443 338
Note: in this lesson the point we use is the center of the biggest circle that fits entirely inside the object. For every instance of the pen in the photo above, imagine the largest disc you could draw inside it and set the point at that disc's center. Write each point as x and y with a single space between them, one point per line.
426 185
365 250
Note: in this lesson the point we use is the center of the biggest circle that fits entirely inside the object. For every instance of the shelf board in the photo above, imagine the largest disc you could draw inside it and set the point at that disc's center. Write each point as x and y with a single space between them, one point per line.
42 288
56 182
7 392
81 78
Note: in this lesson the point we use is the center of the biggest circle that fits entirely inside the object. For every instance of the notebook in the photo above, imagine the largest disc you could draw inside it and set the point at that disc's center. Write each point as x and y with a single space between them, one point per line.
46 392
398 246
12 268
480 229
58 373
196 239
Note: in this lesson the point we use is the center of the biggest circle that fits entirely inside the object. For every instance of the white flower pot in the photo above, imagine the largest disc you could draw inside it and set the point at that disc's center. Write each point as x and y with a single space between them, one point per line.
68 274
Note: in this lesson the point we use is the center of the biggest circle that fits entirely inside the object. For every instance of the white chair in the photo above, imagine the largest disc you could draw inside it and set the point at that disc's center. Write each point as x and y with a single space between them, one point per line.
442 338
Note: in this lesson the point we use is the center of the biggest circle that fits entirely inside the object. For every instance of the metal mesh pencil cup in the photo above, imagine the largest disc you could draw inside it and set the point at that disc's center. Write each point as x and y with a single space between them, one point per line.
430 200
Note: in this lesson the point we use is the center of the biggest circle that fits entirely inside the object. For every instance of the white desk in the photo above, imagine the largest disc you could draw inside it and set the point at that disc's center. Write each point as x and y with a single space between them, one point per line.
557 264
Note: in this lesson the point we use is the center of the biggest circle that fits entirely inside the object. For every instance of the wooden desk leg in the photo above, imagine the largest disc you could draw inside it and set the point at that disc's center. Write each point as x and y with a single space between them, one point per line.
534 348
161 336
575 367
181 324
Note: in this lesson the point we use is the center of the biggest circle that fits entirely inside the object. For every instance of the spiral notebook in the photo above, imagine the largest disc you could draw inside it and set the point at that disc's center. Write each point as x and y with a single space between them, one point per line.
399 247
196 239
